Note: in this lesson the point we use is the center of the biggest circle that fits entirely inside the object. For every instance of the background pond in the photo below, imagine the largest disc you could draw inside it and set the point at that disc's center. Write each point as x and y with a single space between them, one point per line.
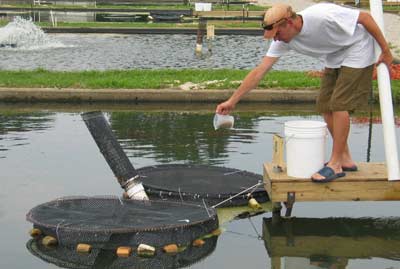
23 45
46 152
72 52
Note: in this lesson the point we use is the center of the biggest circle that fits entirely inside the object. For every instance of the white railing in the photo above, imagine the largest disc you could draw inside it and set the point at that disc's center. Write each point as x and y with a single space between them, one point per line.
386 103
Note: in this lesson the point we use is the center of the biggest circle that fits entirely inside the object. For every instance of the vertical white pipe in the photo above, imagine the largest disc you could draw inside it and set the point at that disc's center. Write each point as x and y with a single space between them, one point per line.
385 99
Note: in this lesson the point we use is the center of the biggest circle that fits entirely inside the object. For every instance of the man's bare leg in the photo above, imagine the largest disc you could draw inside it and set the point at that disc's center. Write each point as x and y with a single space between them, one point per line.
347 160
339 122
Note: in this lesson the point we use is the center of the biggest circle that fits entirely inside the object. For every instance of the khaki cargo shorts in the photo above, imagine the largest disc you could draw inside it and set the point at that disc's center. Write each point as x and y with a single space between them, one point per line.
345 89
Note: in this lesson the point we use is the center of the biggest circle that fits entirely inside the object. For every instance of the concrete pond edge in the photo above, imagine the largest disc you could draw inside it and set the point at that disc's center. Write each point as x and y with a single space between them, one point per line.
275 95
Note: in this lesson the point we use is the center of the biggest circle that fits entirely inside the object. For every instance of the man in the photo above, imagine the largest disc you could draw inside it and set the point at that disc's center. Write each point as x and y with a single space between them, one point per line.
343 39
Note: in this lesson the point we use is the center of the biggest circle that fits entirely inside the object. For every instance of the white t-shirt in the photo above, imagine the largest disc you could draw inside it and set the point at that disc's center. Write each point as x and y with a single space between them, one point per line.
331 33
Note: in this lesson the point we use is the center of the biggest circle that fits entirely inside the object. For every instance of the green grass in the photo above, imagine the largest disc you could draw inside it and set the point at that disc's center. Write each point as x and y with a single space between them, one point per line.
149 79
144 7
217 24
160 79
58 6
118 25
391 8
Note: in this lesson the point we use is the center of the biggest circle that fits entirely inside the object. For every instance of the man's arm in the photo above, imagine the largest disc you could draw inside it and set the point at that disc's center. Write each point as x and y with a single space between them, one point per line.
370 25
250 82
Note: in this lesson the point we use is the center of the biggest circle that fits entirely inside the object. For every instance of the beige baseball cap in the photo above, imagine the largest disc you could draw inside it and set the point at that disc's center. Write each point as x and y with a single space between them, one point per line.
274 14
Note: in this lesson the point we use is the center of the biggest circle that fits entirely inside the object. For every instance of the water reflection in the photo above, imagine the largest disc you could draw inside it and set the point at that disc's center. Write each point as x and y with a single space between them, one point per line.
60 159
67 256
188 137
14 125
331 242
177 137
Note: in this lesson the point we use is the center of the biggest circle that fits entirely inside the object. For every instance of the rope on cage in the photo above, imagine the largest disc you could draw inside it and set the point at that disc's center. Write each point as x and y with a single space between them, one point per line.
254 227
58 226
236 195
232 173
205 206
180 194
243 234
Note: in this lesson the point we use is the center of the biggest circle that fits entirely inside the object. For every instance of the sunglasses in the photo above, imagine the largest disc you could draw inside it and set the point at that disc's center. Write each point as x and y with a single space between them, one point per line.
269 27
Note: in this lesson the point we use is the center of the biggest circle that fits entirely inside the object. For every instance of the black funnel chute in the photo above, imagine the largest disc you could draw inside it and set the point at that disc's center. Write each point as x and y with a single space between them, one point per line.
182 182
109 146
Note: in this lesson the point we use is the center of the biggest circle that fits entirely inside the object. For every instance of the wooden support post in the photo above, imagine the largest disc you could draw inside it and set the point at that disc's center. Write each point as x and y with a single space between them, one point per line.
291 196
277 154
210 37
276 211
210 31
276 262
200 33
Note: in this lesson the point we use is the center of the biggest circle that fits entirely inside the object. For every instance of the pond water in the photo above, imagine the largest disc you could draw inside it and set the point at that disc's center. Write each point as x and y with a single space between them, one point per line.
47 152
24 46
122 52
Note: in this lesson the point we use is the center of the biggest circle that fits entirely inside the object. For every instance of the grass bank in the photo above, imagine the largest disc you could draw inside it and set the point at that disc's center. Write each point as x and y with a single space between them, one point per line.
194 24
150 79
231 7
160 79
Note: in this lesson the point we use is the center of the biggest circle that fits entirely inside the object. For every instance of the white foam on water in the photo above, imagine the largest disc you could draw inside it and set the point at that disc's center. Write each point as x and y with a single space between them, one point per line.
22 34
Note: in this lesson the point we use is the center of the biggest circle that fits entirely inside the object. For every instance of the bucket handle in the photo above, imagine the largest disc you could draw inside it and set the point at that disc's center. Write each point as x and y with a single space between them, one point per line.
287 138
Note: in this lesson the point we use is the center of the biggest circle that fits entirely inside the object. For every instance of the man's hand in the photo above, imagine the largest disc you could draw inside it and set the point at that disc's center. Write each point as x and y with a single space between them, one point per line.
225 108
386 57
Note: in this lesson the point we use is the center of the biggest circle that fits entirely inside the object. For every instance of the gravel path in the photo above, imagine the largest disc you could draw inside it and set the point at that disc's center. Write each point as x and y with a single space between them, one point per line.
391 21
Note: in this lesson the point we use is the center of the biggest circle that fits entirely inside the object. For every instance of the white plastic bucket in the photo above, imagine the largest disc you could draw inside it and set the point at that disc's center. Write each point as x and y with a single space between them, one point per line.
305 147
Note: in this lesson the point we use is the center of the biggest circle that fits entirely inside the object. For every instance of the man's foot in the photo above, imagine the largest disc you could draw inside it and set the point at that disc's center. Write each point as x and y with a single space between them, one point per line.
351 168
326 174
348 164
348 168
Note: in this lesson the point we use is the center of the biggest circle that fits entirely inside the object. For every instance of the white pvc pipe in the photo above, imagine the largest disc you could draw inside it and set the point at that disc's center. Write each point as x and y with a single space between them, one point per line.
385 100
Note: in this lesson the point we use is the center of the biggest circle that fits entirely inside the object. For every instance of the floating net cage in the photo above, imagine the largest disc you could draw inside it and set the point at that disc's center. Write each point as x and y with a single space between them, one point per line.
68 257
184 182
109 222
106 224
195 183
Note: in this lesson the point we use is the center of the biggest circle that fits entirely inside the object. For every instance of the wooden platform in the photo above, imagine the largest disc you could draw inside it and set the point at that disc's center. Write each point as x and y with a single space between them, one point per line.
370 183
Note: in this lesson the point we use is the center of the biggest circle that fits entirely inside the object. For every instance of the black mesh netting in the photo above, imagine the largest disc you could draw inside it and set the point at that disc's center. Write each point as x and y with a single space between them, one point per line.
111 222
109 146
198 182
66 256
183 182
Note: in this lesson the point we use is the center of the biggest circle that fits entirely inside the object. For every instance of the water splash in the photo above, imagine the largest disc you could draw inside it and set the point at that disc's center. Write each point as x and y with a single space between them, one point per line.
25 35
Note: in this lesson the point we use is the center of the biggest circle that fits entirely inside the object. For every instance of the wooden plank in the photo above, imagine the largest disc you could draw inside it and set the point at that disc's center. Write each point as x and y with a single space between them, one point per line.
337 191
278 152
275 263
367 171
267 181
368 184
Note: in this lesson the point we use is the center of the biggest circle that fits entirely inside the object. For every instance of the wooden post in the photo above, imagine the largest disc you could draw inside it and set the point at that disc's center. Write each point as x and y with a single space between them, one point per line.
210 37
200 33
242 13
276 262
277 154
210 31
